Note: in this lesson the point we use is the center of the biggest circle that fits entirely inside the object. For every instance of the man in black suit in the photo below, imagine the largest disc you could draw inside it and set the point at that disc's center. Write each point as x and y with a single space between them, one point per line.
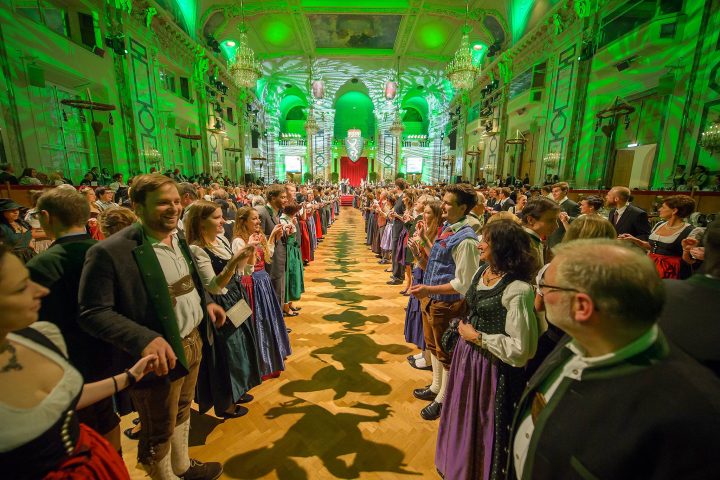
654 411
568 208
627 219
689 318
398 212
63 213
505 201
270 220
140 291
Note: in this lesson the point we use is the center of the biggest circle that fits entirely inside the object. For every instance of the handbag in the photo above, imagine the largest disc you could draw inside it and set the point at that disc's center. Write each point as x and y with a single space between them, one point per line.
450 337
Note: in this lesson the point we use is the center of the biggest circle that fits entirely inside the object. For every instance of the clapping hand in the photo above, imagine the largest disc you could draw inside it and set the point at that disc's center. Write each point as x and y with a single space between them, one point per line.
689 243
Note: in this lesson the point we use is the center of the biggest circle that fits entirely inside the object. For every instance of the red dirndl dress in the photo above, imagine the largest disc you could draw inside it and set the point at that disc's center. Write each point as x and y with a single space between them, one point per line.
93 458
318 225
305 240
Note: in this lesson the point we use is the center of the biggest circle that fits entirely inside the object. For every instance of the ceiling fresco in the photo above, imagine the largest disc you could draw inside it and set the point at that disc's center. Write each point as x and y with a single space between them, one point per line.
355 31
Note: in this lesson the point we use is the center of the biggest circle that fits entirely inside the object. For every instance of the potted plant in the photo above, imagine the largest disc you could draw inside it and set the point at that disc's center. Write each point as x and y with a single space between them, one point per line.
307 177
334 177
372 177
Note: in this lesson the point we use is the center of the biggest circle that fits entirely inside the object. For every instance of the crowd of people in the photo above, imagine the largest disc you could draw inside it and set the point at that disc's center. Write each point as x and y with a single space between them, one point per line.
182 298
547 326
101 177
562 339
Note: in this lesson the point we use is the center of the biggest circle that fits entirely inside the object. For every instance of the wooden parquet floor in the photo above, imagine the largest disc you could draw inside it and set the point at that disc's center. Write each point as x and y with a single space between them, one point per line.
344 406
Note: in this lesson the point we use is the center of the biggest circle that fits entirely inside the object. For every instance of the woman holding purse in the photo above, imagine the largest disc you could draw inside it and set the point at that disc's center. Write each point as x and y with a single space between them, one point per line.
486 376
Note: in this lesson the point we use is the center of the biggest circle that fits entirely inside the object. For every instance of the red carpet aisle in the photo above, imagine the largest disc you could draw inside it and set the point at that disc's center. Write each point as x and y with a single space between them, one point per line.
344 408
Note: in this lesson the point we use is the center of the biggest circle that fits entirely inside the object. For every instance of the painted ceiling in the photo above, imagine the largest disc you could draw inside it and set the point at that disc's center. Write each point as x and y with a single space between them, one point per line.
420 30
358 45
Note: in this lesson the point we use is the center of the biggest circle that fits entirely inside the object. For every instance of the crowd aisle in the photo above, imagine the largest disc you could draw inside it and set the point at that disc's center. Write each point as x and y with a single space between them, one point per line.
344 406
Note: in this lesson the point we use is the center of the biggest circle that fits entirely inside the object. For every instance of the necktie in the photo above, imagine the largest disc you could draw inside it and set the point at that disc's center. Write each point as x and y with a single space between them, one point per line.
616 217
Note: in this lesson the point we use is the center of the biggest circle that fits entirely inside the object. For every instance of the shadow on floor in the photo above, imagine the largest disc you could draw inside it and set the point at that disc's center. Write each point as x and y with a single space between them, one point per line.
352 352
323 434
352 319
201 426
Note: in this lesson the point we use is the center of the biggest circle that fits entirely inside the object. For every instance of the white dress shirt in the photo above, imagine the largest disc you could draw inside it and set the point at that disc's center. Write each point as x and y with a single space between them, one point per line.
188 307
467 259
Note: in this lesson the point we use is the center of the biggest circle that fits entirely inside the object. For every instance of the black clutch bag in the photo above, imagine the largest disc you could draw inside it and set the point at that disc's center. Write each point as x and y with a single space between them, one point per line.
450 337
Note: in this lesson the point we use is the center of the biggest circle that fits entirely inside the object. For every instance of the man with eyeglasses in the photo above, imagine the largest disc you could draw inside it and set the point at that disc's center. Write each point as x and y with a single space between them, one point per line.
613 400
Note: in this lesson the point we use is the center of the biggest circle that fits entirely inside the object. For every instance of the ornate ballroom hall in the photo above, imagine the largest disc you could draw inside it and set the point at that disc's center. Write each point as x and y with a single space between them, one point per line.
339 95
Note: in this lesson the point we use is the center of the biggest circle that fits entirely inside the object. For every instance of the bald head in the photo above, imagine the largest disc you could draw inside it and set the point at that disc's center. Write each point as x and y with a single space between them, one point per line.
622 282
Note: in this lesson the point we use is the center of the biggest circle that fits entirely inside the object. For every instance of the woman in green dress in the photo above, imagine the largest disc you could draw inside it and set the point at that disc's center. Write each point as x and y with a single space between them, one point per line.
294 281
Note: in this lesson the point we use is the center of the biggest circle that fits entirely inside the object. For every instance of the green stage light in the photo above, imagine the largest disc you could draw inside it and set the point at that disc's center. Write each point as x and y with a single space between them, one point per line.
228 47
478 52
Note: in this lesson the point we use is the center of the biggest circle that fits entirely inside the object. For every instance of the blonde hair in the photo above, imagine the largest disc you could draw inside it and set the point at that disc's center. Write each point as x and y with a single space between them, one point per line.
589 226
240 230
503 216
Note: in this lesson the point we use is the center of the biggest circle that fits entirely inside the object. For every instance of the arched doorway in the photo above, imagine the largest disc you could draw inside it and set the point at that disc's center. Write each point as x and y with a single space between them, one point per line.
354 110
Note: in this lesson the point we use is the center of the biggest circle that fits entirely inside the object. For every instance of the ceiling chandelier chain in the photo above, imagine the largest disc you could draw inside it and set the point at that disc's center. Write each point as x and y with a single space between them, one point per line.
244 69
460 71
397 128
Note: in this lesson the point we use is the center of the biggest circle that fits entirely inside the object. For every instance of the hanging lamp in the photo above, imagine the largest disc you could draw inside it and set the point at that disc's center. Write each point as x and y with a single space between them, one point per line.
244 69
397 127
460 71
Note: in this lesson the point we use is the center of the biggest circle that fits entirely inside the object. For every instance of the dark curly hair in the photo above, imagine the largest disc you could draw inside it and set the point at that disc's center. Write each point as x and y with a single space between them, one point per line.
594 201
510 250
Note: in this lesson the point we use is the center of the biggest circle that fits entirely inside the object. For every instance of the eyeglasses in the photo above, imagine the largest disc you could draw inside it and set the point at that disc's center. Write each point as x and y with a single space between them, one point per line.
540 285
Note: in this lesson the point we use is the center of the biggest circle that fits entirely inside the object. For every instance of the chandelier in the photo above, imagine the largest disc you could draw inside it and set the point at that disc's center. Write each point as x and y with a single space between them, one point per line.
710 138
397 127
460 71
551 159
244 69
152 155
216 167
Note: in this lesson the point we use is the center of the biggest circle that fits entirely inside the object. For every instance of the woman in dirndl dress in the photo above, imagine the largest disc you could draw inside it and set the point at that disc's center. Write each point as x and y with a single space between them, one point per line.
294 276
229 366
486 376
665 244
273 343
